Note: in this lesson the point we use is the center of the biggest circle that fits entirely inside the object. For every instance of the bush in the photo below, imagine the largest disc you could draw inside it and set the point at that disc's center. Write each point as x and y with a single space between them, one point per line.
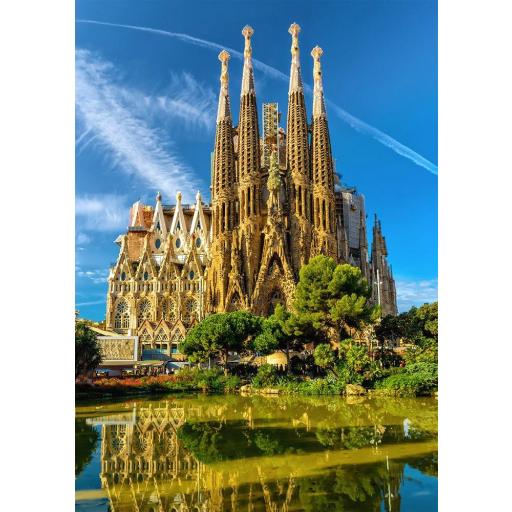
414 379
267 376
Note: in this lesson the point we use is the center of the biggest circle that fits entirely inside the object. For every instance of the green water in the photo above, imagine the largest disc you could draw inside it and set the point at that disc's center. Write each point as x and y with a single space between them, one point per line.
227 453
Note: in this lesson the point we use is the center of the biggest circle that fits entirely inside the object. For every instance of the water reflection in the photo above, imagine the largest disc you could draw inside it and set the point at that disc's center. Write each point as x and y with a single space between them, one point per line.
218 453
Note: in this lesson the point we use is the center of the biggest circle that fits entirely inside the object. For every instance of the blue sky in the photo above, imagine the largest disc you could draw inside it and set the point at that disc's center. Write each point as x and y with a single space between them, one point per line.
146 105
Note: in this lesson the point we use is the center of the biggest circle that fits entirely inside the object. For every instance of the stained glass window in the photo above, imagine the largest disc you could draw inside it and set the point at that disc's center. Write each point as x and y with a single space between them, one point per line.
122 315
144 311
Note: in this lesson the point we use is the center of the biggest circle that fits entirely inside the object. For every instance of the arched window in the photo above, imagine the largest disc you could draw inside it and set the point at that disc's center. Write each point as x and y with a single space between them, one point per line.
189 312
169 310
122 315
144 311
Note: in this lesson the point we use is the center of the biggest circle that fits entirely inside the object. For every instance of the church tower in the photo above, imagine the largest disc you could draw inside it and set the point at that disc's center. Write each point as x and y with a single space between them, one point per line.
297 157
223 195
324 237
249 172
383 292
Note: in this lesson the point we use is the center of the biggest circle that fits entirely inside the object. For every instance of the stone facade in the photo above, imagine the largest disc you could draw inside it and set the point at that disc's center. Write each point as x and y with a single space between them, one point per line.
275 203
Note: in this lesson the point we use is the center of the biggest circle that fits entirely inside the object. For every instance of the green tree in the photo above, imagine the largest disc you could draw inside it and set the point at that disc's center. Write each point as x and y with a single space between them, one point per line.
325 358
221 333
418 328
333 298
87 352
285 332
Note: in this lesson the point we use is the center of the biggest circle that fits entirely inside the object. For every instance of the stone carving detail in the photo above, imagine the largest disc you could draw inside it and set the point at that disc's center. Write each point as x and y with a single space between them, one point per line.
117 349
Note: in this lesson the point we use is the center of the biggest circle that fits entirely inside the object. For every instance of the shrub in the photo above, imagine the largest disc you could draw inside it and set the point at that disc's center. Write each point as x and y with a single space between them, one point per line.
266 376
414 379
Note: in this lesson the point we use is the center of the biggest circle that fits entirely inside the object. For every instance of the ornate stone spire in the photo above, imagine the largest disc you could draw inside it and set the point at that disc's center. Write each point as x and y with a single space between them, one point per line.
297 160
248 73
322 167
224 110
318 90
295 76
224 154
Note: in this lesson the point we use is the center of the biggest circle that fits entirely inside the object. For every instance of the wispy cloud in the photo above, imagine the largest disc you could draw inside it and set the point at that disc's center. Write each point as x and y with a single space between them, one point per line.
187 100
415 292
100 212
136 148
82 239
272 72
97 276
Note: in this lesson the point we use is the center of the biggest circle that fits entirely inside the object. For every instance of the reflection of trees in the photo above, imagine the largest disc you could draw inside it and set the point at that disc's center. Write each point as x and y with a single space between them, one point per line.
86 440
224 453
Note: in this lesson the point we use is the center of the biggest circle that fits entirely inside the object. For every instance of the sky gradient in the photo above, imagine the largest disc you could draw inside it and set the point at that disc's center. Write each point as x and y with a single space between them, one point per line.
146 103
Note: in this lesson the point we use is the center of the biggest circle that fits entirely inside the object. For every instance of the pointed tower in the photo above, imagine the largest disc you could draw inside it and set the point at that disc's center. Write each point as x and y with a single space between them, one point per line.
383 292
249 173
223 195
297 158
322 169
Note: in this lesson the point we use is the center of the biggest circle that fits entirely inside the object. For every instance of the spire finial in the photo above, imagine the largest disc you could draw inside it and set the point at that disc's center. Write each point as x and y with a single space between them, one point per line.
318 89
223 111
178 197
295 77
294 31
224 57
158 197
247 75
198 196
247 32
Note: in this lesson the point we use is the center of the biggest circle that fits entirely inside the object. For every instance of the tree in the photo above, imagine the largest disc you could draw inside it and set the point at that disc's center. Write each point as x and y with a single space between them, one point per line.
418 327
221 333
334 298
285 332
325 358
87 351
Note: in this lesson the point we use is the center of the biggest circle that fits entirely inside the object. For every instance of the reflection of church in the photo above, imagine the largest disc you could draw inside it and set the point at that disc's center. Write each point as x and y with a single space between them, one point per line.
145 466
275 203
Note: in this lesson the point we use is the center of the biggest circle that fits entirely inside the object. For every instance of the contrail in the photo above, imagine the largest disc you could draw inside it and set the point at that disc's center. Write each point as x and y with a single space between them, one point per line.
354 122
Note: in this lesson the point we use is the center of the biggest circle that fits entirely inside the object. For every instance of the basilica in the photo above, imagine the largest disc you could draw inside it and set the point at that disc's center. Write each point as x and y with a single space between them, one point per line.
276 202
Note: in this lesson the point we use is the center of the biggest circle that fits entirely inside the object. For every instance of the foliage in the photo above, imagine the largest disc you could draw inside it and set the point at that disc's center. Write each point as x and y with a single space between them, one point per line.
414 379
87 352
266 376
418 328
187 380
333 298
221 333
325 357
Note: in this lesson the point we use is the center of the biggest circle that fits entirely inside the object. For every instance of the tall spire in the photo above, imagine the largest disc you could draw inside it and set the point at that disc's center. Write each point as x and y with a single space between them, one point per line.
322 167
297 159
224 157
248 133
249 171
318 90
224 110
223 193
248 74
295 76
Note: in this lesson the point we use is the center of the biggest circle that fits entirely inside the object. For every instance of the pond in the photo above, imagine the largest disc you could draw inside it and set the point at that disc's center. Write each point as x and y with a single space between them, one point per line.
275 453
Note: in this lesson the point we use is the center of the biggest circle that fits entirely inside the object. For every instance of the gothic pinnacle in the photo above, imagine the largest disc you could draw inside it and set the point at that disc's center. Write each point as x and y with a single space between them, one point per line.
318 90
223 111
295 77
248 74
